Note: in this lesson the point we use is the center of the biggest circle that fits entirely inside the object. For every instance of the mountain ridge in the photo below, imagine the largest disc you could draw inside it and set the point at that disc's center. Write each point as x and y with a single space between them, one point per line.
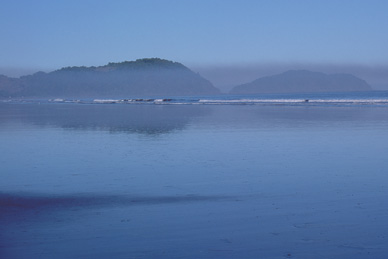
299 81
142 77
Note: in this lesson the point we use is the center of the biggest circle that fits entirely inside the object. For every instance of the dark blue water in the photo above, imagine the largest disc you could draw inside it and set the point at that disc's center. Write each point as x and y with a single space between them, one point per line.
85 180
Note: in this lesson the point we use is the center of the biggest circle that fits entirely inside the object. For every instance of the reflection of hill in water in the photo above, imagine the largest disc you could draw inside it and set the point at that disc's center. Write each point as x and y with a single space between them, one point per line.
161 119
143 119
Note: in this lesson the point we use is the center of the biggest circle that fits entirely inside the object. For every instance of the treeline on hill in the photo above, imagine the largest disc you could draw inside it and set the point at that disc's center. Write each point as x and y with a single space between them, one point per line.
159 77
144 77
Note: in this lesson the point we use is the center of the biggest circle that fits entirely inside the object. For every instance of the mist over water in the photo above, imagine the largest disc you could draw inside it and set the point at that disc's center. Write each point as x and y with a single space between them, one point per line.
213 181
225 77
193 129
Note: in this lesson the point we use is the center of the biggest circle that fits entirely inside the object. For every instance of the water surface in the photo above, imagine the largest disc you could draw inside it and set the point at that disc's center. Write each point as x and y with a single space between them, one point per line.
193 181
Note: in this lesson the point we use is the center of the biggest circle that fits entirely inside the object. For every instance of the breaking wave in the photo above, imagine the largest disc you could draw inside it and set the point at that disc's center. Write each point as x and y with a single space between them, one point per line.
376 98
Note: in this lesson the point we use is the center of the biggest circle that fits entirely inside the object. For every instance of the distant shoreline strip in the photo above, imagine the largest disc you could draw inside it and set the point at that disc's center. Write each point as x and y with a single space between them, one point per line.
179 101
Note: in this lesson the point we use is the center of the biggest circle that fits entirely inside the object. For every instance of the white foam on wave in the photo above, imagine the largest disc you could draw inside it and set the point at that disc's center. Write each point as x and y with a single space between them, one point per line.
295 101
254 101
361 101
280 101
105 101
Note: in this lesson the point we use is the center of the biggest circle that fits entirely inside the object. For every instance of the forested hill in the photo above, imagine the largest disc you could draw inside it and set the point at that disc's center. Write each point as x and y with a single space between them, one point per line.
143 77
299 81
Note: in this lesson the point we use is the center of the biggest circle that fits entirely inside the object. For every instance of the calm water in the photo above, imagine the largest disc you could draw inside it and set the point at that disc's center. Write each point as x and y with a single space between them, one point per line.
193 181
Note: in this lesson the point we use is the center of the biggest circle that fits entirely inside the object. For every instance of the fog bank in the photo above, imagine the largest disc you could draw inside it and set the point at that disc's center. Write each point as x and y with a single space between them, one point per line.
225 77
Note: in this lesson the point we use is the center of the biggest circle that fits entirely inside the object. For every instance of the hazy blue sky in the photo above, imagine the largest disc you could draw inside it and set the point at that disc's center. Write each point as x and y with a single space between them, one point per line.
45 35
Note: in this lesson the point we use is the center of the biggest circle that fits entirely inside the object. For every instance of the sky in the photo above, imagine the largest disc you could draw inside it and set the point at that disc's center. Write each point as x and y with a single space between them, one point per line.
216 38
